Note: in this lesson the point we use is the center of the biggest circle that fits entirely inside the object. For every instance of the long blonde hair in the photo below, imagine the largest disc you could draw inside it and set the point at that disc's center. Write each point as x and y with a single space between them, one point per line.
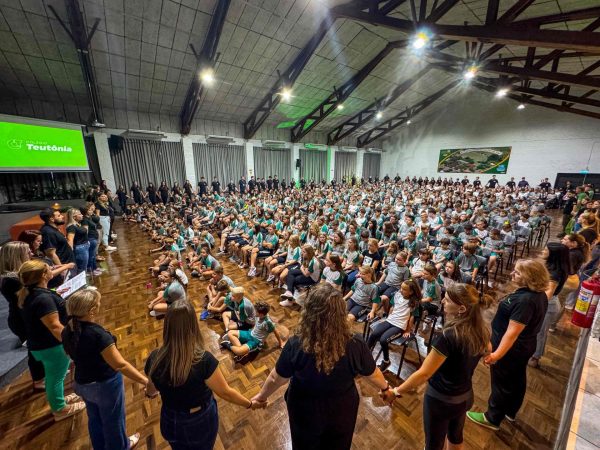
30 275
182 344
469 328
71 217
323 328
12 255
534 273
80 304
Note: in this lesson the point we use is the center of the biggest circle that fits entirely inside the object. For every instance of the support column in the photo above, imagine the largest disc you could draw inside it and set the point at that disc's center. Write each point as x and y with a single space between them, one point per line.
295 156
104 161
360 155
249 159
188 160
331 163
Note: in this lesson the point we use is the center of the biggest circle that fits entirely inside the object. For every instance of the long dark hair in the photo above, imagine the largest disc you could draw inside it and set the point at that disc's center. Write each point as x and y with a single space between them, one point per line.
558 262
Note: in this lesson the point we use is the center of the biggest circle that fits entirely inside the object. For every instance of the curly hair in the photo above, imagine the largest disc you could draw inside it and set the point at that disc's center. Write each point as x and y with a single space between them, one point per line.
323 328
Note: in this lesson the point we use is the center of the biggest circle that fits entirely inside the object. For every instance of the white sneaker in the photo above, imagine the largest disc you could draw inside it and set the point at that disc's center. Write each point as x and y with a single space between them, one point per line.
287 294
271 278
252 272
110 248
491 284
114 235
155 314
286 303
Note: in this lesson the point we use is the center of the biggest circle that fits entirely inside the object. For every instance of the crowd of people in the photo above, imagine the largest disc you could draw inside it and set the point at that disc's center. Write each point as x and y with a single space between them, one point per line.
392 254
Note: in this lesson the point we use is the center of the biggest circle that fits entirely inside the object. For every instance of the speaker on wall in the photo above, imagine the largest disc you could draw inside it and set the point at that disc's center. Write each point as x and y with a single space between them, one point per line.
298 163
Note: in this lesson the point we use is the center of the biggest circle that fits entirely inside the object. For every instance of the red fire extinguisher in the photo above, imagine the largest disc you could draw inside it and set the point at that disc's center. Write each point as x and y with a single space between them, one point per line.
587 302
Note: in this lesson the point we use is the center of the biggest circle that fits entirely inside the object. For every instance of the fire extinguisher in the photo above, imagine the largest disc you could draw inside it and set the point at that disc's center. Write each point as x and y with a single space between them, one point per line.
587 302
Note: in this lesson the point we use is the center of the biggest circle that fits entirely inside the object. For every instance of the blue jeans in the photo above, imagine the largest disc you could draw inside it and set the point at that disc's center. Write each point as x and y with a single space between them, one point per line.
82 255
554 309
105 406
93 252
185 431
105 223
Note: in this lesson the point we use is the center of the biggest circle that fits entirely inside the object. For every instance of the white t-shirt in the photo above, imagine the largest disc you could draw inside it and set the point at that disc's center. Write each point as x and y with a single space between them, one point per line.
400 313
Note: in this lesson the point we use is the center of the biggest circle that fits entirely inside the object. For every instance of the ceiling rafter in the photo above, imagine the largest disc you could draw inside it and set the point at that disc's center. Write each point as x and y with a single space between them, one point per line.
403 117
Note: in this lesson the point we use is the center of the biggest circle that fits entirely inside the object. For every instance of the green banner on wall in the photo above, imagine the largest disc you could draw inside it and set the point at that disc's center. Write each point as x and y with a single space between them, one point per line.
474 160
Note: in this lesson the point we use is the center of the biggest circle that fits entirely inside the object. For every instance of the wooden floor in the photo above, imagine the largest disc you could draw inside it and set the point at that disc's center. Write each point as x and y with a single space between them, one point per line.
26 422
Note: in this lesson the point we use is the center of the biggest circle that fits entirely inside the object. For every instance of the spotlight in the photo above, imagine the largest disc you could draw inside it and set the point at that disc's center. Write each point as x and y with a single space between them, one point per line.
286 94
502 92
420 41
207 76
408 122
470 73
340 106
379 115
521 106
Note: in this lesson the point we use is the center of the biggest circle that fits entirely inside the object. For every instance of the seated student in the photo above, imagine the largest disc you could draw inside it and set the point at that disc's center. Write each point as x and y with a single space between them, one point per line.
280 253
410 244
389 253
323 247
371 256
242 342
392 278
432 291
188 234
338 246
450 275
178 244
232 232
219 302
466 233
205 265
363 244
240 249
351 260
388 236
307 274
403 313
442 253
467 262
176 266
241 315
364 295
493 247
333 273
207 239
418 264
193 255
523 221
218 275
266 248
481 230
162 263
424 237
289 258
173 291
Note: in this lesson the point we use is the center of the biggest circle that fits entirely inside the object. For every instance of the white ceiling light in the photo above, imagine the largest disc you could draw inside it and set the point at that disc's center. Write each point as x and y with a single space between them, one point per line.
286 94
521 106
408 122
207 76
420 41
470 73
340 106
379 115
502 92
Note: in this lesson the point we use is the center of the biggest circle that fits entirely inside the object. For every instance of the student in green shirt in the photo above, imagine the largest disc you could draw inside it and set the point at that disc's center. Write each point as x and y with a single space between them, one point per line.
266 248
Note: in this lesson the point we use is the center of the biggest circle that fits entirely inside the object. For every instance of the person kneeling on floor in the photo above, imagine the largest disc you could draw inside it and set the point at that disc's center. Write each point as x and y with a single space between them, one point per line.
242 342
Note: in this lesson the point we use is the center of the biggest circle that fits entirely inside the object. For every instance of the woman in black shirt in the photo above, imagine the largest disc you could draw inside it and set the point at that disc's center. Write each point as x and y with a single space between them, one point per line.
99 370
12 256
449 368
91 222
122 196
104 211
556 256
516 324
186 376
45 315
77 237
164 192
320 364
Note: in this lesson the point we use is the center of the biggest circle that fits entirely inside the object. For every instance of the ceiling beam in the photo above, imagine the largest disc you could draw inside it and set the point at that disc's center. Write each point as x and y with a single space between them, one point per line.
491 16
365 115
81 39
401 118
579 14
441 10
500 34
338 96
205 61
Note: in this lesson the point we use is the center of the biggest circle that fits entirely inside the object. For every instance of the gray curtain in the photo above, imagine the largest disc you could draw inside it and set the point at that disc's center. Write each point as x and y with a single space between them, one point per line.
313 165
272 161
371 165
345 165
144 161
226 162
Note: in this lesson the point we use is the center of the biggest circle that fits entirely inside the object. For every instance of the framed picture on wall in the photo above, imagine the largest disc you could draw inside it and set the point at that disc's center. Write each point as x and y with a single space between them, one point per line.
492 160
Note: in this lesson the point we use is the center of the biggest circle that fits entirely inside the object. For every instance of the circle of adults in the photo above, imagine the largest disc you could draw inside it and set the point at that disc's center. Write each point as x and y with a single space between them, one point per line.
392 254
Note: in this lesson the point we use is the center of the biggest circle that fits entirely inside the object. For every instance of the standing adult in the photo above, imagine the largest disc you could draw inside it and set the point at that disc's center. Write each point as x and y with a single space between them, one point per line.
186 376
569 202
511 184
122 196
45 315
275 183
450 367
104 213
136 193
99 370
152 194
523 183
216 186
516 324
231 187
188 189
54 244
12 256
492 182
91 222
319 365
242 185
163 191
556 256
77 237
202 187
252 185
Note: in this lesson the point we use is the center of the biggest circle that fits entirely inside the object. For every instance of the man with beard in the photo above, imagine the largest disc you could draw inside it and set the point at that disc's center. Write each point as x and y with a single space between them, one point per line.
54 243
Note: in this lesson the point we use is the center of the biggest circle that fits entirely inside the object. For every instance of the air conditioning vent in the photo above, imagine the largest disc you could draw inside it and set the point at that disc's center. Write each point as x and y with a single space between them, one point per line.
143 134
274 144
223 140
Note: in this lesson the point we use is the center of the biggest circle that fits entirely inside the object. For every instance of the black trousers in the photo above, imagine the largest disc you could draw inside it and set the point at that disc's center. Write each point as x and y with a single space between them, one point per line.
441 420
322 423
509 383
17 326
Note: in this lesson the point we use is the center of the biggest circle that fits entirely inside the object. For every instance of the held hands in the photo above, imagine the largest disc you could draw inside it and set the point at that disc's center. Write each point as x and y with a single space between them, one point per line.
490 359
388 396
258 402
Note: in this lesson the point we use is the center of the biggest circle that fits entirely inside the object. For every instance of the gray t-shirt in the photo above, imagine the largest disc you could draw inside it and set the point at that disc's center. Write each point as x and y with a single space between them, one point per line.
395 274
364 294
262 328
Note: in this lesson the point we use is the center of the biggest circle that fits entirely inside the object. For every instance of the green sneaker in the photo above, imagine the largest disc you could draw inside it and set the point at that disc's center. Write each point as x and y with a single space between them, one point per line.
480 419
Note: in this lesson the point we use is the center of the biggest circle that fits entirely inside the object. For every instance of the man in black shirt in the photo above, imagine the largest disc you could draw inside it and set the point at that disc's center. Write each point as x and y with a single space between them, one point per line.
270 183
242 184
511 184
187 187
569 204
202 187
465 181
477 182
216 186
54 243
252 185
545 185
283 184
231 187
302 183
275 183
523 183
493 182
